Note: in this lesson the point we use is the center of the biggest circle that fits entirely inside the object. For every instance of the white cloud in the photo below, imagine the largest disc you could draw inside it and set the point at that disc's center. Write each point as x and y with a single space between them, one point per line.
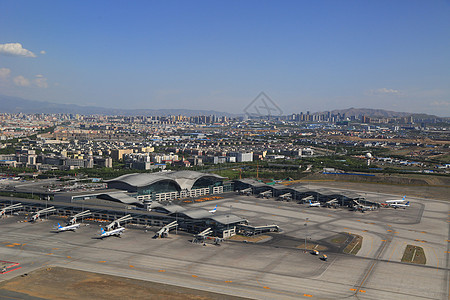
21 81
15 49
43 52
440 103
4 73
384 91
40 81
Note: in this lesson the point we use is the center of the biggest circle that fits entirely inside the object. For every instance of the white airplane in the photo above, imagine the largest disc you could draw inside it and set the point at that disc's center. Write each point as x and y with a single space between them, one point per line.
400 205
72 227
396 201
117 232
314 204
213 210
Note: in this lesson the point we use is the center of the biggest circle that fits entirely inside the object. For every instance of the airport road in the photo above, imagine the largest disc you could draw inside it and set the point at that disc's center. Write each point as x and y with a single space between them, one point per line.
276 269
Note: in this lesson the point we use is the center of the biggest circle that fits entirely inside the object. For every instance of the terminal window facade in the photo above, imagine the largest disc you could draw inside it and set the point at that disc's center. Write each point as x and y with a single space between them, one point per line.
163 186
205 182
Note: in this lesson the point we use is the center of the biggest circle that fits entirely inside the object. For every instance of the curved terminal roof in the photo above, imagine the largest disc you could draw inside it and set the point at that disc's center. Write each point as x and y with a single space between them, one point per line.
184 179
119 197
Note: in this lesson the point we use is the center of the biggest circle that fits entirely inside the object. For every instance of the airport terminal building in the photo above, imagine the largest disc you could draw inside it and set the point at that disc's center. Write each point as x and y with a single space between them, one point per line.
169 185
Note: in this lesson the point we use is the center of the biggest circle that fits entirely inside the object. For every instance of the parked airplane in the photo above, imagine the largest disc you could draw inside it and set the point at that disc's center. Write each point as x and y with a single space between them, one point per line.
114 227
117 232
396 201
72 227
400 205
213 210
314 204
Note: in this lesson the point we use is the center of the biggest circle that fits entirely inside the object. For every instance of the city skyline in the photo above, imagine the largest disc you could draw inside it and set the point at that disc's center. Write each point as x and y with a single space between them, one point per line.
214 56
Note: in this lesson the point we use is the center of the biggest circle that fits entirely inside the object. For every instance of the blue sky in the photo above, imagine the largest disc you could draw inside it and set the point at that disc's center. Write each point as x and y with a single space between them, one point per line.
306 55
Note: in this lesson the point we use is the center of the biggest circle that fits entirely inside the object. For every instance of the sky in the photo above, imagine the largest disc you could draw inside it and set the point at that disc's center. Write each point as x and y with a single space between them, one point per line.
219 55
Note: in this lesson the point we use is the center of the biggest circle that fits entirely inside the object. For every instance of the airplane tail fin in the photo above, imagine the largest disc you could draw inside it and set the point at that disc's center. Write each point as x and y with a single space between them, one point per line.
404 197
103 230
59 225
407 203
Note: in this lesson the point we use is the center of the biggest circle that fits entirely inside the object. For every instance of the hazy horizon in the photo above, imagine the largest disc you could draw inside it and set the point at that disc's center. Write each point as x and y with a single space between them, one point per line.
203 55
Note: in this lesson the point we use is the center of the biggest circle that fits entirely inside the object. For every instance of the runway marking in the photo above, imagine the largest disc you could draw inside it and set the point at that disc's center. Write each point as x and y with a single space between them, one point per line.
228 281
131 266
393 250
371 247
161 270
266 287
69 256
437 267
389 225
10 246
307 295
354 290
16 244
102 261
49 254
384 240
364 231
389 230
55 248
362 291
195 276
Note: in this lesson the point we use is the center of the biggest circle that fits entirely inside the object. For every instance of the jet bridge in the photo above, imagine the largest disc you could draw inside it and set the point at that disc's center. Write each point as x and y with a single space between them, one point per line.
247 191
266 194
201 237
164 231
73 219
332 203
287 197
116 223
37 215
307 198
11 208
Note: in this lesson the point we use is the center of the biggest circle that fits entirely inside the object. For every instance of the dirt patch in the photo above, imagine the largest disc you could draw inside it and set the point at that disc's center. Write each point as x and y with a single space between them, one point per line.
414 255
250 239
62 283
339 239
355 245
415 180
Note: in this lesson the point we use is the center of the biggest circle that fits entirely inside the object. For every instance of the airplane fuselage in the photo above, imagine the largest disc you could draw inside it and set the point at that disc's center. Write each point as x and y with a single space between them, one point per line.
116 232
72 227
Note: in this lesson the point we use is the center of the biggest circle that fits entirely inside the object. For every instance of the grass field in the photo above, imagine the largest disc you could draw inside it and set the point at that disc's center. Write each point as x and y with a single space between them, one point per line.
355 245
414 255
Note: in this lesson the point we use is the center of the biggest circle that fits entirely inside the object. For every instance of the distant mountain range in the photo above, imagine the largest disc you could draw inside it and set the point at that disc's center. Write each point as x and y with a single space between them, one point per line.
376 113
9 104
